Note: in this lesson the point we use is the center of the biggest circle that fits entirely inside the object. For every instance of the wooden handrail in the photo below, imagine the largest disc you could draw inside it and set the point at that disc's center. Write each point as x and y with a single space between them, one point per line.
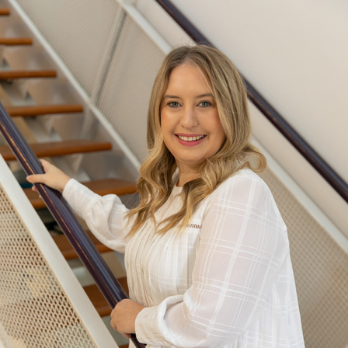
15 41
59 208
24 74
322 167
38 110
99 301
69 252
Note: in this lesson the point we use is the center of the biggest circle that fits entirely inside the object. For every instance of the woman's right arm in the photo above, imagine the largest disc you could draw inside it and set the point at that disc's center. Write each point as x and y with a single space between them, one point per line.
105 216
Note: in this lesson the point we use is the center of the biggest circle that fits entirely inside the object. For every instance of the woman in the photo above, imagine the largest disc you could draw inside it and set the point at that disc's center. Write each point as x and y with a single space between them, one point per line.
206 250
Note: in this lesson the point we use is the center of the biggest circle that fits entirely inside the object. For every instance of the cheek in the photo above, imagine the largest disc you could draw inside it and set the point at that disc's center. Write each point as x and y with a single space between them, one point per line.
157 131
217 126
220 136
164 130
163 123
166 124
221 131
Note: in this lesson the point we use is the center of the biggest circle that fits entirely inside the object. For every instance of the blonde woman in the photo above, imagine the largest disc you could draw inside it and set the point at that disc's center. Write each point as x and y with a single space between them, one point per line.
206 251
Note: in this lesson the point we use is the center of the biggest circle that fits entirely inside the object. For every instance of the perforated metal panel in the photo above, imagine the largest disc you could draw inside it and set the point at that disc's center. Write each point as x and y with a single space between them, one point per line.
79 31
321 272
35 309
126 90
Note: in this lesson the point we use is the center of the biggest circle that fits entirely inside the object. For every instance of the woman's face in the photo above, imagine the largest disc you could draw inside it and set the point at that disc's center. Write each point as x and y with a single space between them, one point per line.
190 122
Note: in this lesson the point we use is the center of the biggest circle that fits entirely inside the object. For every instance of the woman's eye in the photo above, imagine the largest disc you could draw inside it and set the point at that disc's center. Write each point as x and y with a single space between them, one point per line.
204 103
173 104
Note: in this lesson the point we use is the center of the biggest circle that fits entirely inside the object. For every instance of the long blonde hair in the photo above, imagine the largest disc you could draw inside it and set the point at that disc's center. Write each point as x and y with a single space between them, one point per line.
156 174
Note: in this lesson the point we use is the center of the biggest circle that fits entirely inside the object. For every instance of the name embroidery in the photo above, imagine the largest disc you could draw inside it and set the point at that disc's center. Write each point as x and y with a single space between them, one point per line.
194 226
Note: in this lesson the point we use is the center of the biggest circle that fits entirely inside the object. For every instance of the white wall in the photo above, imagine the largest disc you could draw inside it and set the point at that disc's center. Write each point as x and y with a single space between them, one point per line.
295 54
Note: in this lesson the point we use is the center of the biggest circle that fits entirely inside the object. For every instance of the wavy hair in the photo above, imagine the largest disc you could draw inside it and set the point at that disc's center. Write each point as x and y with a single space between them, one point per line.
156 173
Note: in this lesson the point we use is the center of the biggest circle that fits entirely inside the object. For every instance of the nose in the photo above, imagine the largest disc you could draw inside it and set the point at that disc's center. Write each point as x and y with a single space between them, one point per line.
189 118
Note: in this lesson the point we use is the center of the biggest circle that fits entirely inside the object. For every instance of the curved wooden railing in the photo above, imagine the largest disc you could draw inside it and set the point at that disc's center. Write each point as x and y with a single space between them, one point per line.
336 182
87 252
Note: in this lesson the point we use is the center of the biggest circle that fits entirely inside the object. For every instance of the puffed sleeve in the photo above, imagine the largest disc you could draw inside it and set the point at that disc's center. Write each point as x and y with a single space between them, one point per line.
243 243
104 215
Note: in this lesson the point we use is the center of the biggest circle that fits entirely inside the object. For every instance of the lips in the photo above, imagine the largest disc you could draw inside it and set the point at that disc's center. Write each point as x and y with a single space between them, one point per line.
190 139
194 138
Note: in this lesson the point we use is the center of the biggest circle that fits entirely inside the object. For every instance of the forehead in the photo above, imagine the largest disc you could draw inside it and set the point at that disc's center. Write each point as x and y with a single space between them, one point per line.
187 77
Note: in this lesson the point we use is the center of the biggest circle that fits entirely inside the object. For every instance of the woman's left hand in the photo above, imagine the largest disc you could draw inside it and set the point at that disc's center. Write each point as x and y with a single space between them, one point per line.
123 316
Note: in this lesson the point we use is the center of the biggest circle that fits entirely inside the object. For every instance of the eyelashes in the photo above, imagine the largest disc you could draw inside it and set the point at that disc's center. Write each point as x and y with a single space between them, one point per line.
175 104
205 103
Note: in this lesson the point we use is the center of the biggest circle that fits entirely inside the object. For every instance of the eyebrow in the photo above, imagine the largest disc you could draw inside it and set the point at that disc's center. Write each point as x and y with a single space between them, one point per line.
198 96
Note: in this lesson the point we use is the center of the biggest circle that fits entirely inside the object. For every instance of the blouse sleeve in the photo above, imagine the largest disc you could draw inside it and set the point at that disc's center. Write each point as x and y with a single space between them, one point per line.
104 215
243 244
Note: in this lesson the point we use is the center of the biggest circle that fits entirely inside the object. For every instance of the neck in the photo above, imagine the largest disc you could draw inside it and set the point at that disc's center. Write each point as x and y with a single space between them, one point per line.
187 174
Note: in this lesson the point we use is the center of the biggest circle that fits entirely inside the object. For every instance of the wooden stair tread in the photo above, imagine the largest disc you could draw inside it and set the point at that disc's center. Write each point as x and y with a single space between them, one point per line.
29 111
53 149
4 12
68 251
14 41
22 74
111 186
99 301
102 187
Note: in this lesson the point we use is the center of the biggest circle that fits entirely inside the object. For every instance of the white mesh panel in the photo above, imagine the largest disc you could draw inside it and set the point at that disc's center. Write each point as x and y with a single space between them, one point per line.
321 272
35 309
126 90
78 31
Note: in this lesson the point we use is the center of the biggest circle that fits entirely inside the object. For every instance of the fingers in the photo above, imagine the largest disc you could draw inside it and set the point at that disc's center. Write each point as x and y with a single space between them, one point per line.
113 325
53 177
112 315
33 188
45 165
123 316
112 322
37 178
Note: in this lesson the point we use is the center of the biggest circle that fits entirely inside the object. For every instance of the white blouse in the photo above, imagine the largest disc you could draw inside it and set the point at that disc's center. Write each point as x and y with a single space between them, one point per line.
225 281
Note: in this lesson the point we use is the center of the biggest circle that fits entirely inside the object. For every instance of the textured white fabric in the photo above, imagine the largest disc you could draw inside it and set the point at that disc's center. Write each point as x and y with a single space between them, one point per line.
225 281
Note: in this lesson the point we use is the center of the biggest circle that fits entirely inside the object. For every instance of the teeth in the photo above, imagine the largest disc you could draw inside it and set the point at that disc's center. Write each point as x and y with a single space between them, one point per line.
191 138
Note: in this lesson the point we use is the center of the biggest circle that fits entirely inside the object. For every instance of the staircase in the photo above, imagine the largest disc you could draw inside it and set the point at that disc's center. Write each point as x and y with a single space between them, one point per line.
94 89
35 122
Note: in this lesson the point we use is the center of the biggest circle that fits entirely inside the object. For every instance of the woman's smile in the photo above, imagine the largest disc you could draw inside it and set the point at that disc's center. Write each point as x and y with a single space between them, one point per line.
190 139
